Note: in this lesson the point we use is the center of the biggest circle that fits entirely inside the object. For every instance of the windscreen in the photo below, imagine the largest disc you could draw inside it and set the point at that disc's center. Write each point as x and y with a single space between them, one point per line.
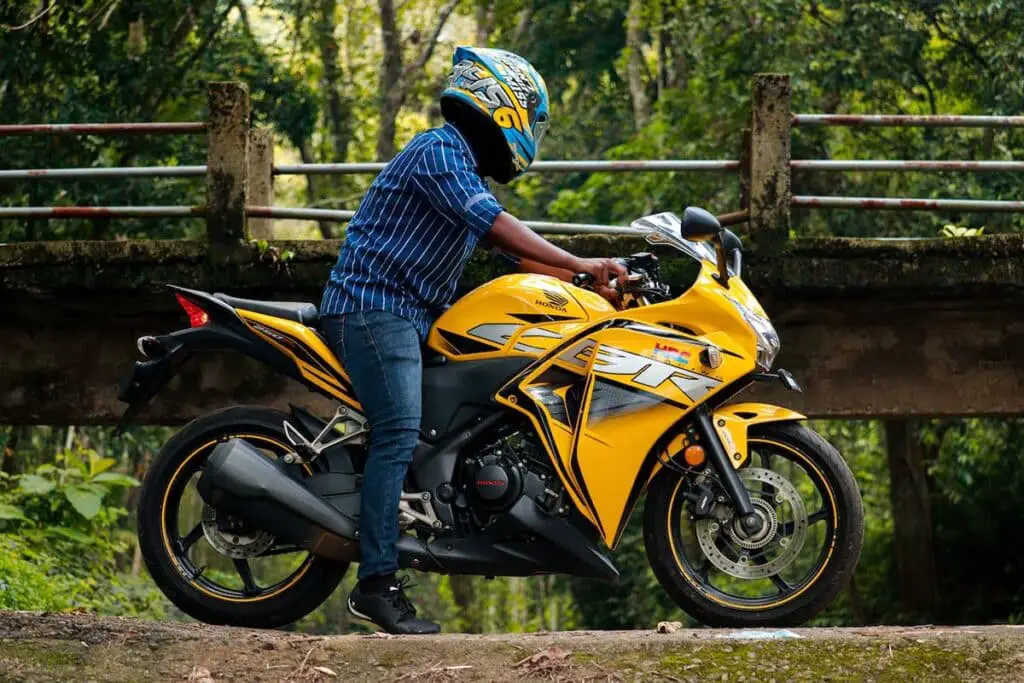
665 228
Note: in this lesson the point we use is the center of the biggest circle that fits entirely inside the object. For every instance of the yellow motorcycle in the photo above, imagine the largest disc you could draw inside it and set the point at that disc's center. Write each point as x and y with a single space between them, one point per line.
547 414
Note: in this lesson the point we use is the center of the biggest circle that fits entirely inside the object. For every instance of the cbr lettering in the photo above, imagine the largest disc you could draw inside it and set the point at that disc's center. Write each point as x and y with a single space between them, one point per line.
652 373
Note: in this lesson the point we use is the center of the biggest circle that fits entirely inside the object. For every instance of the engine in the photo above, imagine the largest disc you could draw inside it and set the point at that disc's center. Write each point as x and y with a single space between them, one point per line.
502 472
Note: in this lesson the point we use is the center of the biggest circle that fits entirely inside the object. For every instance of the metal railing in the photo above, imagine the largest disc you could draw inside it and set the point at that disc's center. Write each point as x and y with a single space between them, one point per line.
536 167
935 121
907 203
104 128
764 170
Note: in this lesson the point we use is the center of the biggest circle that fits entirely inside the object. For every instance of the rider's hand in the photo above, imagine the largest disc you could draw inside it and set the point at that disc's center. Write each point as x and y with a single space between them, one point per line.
604 270
610 294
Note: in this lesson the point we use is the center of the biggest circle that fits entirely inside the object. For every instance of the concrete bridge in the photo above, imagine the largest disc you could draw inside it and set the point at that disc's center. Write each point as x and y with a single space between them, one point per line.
870 327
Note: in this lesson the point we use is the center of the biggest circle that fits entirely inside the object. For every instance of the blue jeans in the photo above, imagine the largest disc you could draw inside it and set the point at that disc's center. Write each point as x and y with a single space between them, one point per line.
380 352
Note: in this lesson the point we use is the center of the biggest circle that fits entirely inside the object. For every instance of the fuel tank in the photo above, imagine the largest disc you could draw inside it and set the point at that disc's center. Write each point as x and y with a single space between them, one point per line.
520 314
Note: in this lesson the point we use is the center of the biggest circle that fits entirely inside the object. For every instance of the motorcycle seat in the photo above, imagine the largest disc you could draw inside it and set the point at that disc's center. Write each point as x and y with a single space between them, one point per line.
301 312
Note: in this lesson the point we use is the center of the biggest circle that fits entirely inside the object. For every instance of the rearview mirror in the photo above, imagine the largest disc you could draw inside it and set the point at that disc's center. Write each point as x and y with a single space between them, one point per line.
698 225
733 248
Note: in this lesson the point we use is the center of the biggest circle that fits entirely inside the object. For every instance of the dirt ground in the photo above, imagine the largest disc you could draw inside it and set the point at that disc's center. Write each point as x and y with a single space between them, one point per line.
79 647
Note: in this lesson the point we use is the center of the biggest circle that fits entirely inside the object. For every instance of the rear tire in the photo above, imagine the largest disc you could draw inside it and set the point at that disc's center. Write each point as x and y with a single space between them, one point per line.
714 608
286 602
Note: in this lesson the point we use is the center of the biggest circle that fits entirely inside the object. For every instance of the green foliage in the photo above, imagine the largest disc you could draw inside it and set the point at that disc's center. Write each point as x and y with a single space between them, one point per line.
63 539
65 496
957 231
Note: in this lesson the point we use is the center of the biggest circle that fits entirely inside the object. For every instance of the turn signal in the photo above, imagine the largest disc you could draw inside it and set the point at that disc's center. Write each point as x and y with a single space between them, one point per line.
711 357
694 456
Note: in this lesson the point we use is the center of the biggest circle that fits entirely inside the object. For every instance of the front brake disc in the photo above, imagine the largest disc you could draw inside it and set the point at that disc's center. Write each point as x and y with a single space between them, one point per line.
709 531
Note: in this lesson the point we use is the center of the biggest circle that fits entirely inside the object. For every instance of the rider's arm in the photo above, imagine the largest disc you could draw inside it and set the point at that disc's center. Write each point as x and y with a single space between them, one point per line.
529 266
510 235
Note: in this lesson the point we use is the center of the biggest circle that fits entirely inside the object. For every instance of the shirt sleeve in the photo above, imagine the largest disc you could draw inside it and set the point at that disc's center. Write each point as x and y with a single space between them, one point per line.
455 189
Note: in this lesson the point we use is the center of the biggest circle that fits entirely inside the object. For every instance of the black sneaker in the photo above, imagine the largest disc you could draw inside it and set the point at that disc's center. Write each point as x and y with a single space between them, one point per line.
391 610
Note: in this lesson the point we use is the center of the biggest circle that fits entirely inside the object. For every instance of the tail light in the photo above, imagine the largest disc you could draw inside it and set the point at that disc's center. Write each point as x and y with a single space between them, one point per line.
196 316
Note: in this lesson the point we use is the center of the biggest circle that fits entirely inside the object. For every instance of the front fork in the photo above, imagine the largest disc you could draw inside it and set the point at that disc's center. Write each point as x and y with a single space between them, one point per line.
730 478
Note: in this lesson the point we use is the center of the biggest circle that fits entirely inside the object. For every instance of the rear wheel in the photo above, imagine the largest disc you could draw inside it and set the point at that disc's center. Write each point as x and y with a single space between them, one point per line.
212 566
805 553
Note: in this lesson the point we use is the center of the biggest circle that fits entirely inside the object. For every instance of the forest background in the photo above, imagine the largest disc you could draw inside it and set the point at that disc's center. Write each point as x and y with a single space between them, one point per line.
353 80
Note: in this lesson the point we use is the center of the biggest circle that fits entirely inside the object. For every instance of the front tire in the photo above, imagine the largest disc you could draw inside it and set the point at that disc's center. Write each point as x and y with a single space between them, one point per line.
720 582
196 585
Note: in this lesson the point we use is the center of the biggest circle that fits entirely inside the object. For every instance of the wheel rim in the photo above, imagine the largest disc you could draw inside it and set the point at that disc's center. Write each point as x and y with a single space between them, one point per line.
750 574
194 544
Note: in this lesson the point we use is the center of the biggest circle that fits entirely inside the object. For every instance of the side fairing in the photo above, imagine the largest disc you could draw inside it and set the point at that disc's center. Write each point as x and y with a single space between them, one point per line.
602 401
519 314
315 363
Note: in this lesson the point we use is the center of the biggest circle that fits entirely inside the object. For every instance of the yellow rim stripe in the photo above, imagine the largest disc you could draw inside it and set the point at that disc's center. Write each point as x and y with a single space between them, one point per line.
300 572
755 608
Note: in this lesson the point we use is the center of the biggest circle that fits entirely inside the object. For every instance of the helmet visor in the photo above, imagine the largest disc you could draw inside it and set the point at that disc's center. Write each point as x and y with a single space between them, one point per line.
539 128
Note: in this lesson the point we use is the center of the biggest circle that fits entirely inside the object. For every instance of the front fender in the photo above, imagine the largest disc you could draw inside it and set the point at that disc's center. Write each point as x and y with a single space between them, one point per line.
732 423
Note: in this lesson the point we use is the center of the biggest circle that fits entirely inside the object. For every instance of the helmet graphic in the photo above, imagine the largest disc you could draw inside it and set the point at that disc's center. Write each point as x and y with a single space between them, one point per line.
509 91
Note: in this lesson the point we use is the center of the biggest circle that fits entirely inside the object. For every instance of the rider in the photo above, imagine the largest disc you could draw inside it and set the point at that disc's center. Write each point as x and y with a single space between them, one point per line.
403 254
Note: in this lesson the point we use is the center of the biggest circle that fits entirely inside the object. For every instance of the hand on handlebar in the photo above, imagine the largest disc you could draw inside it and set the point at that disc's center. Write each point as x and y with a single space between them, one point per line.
610 290
604 271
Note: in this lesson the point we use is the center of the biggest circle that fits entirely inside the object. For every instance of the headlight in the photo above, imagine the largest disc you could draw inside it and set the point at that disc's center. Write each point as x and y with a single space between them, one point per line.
768 343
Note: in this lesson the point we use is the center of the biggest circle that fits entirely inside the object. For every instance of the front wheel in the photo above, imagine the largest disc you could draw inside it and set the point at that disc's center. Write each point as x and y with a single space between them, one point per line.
807 548
214 567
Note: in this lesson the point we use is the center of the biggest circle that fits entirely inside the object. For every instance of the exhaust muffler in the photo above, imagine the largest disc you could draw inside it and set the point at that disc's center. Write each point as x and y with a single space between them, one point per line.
242 482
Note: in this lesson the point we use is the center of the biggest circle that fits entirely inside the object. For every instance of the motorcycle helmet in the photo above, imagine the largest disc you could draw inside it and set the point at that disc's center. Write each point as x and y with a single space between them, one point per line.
500 101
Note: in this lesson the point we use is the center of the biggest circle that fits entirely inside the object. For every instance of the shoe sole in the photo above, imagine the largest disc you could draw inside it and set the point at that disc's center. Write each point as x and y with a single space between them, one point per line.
359 615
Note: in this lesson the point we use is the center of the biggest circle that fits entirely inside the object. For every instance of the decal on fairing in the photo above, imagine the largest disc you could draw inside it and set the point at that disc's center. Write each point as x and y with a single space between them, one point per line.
652 373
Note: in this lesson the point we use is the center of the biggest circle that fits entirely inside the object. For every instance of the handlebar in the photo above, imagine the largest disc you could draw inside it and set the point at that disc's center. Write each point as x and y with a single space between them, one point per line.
641 282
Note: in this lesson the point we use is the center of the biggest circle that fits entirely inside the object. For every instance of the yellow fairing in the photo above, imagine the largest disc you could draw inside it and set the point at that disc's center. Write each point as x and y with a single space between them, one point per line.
315 362
515 315
604 400
734 421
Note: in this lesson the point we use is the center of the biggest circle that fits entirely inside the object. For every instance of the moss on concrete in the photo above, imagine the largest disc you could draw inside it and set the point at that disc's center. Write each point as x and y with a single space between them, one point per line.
817 266
82 647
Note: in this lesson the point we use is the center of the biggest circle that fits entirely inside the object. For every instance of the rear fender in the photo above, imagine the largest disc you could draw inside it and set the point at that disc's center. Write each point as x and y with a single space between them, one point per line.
733 422
166 354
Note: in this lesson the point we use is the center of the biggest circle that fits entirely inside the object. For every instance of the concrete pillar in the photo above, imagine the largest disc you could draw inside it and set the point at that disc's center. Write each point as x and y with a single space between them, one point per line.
227 162
745 169
770 188
261 180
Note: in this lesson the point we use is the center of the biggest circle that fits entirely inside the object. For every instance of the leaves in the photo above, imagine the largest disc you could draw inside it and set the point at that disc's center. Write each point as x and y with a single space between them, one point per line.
70 534
35 485
957 231
546 663
85 500
11 512
116 479
98 465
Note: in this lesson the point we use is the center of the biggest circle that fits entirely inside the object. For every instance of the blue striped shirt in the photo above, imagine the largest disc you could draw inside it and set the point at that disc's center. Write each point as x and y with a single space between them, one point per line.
413 232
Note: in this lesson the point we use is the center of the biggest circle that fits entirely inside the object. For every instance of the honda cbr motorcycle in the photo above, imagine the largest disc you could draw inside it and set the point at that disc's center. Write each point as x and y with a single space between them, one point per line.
547 415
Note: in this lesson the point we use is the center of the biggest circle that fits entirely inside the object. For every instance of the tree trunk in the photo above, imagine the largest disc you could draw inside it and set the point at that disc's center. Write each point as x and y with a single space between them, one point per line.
485 18
7 463
912 519
464 594
396 79
313 190
339 107
390 93
522 26
635 67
